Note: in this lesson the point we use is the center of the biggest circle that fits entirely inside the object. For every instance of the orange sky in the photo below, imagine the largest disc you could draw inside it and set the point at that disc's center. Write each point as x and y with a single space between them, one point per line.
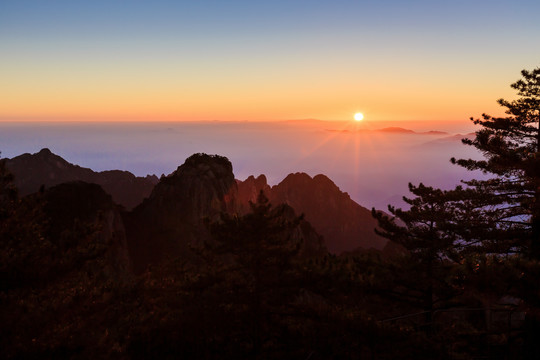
100 61
119 94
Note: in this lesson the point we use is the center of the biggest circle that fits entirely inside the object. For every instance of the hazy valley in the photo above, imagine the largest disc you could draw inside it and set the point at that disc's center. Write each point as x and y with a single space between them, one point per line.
372 166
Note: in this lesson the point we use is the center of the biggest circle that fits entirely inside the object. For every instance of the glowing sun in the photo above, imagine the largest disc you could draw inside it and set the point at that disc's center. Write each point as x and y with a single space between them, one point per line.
358 116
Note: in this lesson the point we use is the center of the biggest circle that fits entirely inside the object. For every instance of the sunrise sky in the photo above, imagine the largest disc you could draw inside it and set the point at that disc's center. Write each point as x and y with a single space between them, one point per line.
262 60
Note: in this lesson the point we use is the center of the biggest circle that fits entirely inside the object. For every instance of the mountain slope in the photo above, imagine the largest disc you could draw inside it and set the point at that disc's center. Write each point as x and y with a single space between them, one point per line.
47 169
172 222
171 216
343 223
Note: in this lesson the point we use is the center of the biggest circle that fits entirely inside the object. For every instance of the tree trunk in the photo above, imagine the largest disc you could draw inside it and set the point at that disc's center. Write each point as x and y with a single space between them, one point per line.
428 298
535 226
535 218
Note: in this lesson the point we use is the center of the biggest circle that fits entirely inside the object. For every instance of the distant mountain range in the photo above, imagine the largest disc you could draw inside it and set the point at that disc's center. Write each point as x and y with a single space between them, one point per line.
447 140
457 137
393 129
168 214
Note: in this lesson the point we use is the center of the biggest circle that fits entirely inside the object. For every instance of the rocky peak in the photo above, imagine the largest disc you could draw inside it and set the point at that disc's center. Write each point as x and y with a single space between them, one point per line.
32 171
203 186
248 191
171 220
153 179
343 223
45 152
302 182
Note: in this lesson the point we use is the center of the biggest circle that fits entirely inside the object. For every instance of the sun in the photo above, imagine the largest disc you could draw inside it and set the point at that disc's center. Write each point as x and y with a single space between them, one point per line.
358 116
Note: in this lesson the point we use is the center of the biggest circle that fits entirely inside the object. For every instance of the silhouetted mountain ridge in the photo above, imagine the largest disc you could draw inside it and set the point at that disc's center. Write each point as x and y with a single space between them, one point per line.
171 219
44 168
392 130
447 140
343 223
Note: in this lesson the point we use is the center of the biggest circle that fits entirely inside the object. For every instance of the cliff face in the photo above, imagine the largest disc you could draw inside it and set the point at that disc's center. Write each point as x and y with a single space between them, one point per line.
248 190
83 218
312 243
203 186
171 220
343 223
47 169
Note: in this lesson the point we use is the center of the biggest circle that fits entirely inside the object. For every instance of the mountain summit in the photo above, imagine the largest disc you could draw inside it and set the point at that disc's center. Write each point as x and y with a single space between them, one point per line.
32 171
171 218
343 223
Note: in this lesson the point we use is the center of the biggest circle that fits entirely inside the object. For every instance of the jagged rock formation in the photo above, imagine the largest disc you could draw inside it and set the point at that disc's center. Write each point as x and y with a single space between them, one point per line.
249 189
343 223
171 222
203 186
44 168
305 234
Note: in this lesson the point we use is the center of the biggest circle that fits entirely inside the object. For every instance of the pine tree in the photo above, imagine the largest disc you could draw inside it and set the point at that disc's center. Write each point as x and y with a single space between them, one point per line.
260 240
509 201
428 231
254 254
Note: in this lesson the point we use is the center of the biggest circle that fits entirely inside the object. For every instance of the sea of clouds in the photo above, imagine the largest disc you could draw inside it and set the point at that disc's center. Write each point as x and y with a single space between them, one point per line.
374 167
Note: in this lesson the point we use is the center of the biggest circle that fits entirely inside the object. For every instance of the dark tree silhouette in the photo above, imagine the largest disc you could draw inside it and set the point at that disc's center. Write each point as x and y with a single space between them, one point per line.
255 253
8 191
428 232
510 199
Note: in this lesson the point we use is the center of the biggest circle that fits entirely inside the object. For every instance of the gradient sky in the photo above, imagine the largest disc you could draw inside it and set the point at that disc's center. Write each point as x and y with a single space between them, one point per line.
262 60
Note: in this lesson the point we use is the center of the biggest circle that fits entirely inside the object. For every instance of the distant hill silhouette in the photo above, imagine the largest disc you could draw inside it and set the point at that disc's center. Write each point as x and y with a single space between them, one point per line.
456 137
393 130
447 140
47 169
435 132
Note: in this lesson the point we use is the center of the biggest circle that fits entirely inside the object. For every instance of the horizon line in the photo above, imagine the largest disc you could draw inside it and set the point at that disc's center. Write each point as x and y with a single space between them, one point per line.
91 120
